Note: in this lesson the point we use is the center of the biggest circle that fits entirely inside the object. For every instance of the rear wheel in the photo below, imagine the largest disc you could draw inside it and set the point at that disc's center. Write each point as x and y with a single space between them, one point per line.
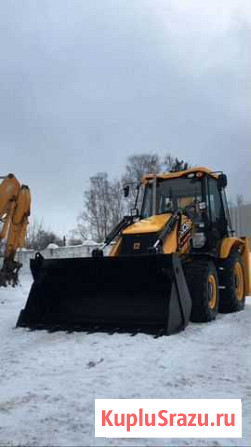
202 281
232 296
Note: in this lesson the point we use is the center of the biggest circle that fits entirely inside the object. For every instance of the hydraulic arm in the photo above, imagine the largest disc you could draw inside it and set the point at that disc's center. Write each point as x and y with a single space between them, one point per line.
15 200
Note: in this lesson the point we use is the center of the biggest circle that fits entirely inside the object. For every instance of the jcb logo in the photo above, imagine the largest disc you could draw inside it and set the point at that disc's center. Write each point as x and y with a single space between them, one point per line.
136 245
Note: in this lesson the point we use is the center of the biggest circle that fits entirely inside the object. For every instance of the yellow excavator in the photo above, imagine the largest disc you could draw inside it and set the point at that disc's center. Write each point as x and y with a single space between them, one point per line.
174 260
15 202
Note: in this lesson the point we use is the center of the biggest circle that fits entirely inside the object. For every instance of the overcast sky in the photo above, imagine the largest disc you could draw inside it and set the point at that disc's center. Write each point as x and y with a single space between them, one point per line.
85 83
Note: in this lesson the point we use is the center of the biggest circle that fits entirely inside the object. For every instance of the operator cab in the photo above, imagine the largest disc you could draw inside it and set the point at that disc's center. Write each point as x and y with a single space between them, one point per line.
200 195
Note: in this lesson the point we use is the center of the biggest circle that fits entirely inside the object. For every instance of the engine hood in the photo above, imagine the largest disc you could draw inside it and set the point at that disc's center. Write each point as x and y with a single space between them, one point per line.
152 224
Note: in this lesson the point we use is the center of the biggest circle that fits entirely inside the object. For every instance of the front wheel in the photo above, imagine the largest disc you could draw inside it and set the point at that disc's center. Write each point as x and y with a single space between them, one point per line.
202 281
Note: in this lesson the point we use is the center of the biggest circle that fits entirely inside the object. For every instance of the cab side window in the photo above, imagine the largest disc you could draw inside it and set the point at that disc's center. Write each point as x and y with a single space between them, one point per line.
215 201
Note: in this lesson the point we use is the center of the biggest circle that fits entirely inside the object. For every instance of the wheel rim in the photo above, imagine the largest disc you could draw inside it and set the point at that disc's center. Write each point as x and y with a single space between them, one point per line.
238 281
212 292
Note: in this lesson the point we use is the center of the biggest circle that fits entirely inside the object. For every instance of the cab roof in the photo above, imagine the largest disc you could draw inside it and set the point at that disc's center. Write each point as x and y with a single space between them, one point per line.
167 175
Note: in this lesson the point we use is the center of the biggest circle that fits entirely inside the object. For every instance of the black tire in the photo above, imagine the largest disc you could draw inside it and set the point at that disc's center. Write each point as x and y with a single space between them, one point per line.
232 299
200 275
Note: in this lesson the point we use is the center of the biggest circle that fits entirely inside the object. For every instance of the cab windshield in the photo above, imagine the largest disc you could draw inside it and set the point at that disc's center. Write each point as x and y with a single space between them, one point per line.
171 195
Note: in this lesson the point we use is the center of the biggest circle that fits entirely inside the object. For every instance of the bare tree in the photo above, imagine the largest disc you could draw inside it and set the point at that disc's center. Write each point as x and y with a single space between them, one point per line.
136 167
167 163
38 238
34 227
96 202
179 165
139 165
81 231
103 207
145 163
117 206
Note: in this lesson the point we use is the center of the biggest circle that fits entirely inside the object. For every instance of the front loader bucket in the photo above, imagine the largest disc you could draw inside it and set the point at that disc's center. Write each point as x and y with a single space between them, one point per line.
129 293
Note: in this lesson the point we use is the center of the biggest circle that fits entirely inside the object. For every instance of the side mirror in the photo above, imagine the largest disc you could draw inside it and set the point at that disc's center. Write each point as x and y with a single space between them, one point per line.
126 189
222 181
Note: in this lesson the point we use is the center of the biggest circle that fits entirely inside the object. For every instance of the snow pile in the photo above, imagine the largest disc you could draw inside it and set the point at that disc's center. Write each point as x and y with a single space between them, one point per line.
52 246
90 243
49 380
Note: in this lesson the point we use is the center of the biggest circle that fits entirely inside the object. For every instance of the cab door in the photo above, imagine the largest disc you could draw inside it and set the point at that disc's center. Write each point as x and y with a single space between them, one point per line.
218 222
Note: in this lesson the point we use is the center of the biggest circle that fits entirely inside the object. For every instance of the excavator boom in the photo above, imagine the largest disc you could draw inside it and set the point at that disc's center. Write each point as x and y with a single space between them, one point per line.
15 203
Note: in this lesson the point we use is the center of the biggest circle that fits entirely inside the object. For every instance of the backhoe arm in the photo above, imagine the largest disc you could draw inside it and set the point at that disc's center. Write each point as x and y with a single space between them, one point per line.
14 211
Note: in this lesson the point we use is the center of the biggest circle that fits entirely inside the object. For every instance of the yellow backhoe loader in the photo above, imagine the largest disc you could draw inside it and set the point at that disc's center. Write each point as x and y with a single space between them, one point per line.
175 260
14 211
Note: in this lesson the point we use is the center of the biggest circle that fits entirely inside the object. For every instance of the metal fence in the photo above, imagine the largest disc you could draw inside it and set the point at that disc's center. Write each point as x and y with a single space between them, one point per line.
77 251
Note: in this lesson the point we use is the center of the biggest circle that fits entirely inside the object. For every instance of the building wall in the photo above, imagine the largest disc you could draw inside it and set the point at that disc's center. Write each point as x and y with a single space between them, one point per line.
241 220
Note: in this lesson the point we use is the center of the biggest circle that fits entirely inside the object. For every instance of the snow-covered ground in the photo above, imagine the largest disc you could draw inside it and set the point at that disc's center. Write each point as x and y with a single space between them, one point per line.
48 381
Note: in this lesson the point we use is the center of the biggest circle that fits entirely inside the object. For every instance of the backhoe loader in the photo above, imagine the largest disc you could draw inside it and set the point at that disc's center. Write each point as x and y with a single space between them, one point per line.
15 202
175 260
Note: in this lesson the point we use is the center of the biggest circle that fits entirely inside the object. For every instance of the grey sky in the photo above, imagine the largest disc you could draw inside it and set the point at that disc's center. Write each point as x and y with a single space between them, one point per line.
85 83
